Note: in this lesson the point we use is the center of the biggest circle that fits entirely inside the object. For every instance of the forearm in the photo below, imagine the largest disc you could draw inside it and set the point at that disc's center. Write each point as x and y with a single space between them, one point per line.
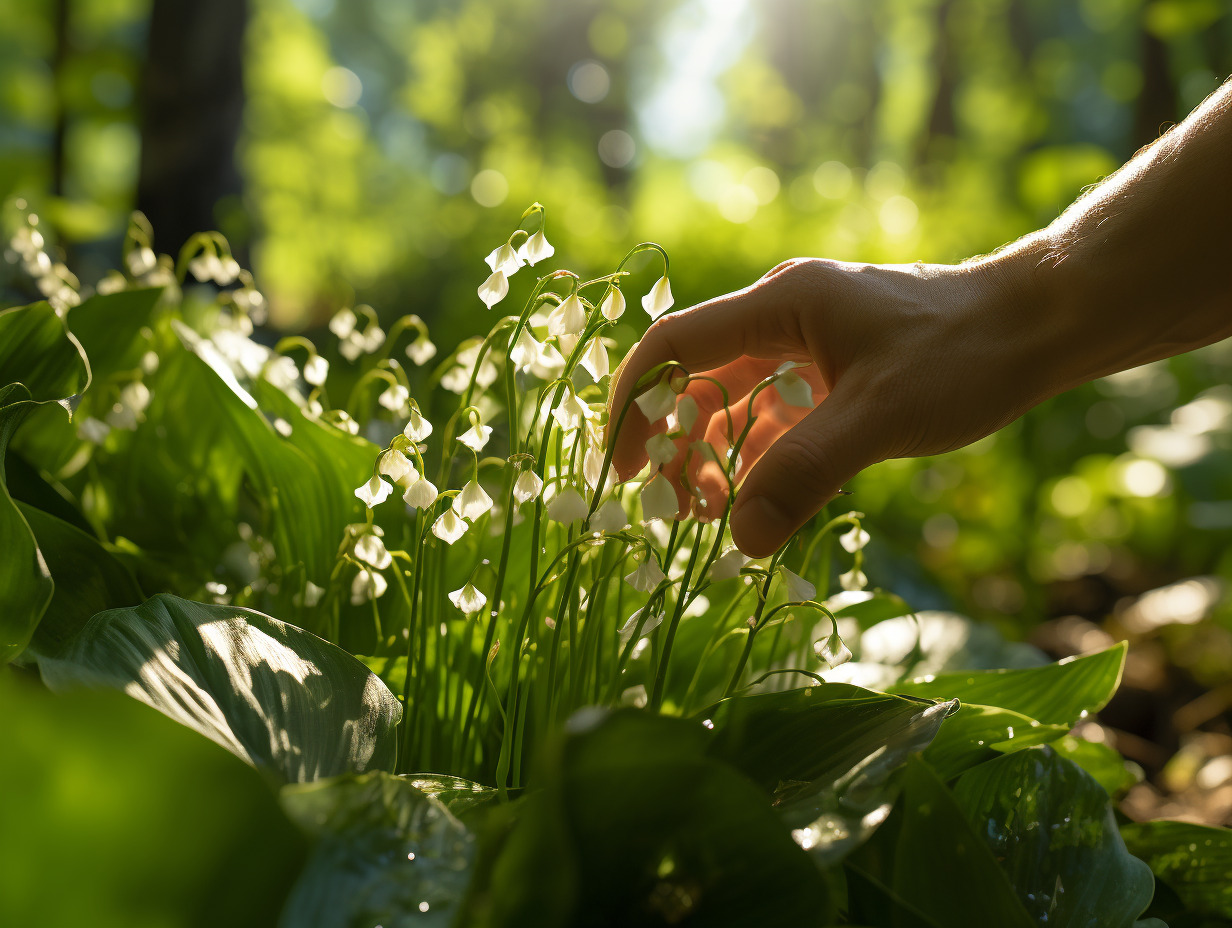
1140 268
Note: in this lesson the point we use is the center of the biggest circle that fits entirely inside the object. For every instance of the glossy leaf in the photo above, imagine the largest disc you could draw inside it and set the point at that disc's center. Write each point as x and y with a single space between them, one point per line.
1108 768
269 692
1195 861
38 352
109 326
116 817
635 824
387 853
827 755
975 734
1051 826
1055 694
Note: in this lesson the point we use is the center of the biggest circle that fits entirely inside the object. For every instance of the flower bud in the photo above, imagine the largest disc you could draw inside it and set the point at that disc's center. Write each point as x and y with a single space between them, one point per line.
659 300
417 428
613 306
854 540
468 599
493 290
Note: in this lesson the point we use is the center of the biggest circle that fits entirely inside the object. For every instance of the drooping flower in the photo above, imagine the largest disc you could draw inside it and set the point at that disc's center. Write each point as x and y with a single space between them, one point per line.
798 589
728 564
316 369
629 629
373 492
476 436
367 585
374 338
527 486
505 260
659 300
371 550
610 517
352 345
449 527
853 580
592 467
832 650
571 412
472 502
493 290
311 596
417 427
567 506
536 248
421 350
594 359
550 363
686 412
657 402
395 398
660 449
205 266
421 494
397 467
795 390
613 306
854 540
569 318
468 599
525 349
647 576
659 500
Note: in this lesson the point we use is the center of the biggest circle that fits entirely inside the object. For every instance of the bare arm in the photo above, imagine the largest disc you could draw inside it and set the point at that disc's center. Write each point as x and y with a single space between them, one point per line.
919 359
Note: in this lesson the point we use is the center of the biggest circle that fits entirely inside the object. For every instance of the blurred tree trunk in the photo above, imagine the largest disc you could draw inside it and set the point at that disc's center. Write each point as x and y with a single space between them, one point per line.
1156 108
60 130
192 104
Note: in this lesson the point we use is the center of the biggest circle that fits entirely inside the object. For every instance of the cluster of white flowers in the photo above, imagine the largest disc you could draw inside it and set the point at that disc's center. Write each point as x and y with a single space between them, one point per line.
58 285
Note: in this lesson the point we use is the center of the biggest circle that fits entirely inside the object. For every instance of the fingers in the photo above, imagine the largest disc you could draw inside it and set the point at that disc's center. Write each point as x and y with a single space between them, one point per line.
803 470
754 322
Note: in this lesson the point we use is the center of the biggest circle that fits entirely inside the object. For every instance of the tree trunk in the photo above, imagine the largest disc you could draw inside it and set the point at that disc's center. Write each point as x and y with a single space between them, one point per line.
192 102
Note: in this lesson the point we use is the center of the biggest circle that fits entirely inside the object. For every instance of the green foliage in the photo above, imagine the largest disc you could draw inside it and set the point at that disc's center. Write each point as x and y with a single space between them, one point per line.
1194 861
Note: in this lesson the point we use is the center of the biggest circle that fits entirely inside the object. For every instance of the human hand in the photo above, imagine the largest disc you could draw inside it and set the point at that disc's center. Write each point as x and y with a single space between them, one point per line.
904 360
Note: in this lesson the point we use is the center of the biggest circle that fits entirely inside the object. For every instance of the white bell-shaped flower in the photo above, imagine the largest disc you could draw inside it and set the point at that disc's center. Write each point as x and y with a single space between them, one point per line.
567 506
449 527
316 369
647 576
657 402
795 390
569 318
205 267
417 427
397 467
374 492
311 596
592 468
853 580
421 350
613 306
371 550
686 412
536 248
630 628
798 589
571 412
659 300
374 338
472 502
141 261
367 585
594 359
853 540
527 486
493 290
610 517
421 494
525 349
476 436
660 449
228 270
352 345
833 650
728 564
550 364
395 398
505 260
659 500
468 599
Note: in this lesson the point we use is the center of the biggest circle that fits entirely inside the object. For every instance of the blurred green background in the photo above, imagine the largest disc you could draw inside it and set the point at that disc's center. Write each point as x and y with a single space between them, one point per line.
374 151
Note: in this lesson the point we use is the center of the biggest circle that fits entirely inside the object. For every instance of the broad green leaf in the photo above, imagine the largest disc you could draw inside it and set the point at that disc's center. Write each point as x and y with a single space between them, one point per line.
116 817
88 579
269 692
827 755
633 823
38 352
1103 763
1195 861
942 865
1051 826
1055 694
978 733
109 327
387 853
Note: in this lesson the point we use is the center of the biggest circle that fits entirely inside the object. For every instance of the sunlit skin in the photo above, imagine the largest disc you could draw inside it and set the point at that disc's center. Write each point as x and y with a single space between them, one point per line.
910 360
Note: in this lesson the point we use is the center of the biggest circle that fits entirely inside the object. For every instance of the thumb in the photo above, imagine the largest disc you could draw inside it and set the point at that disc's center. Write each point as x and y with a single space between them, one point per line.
803 470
